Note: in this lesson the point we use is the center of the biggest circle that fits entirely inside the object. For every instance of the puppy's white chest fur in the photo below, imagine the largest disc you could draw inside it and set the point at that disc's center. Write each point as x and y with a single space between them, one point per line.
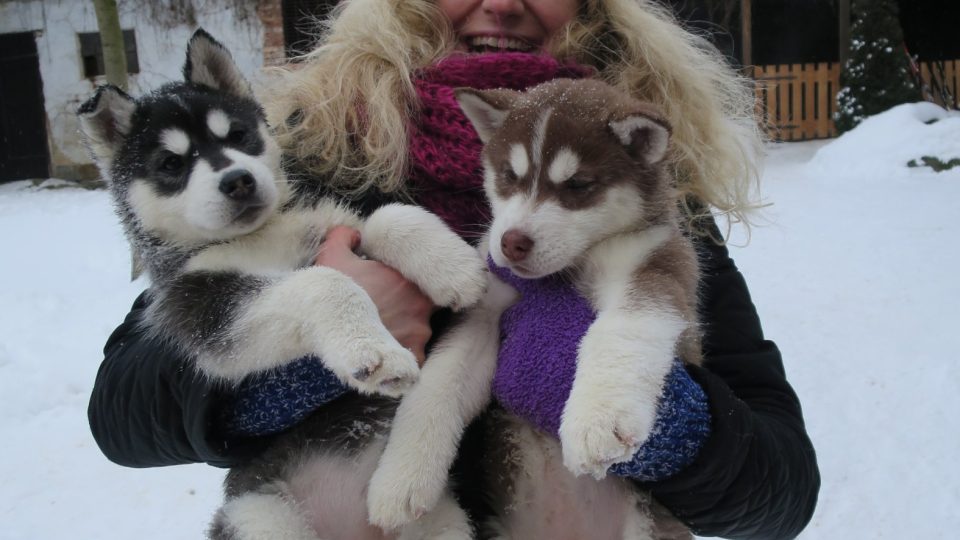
609 266
286 242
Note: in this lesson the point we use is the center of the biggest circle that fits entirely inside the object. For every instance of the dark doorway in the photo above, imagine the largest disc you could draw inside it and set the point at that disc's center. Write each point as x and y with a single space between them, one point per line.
301 23
23 132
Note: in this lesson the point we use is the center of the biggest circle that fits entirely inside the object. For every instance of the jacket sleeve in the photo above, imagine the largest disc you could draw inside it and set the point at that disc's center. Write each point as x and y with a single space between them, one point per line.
756 476
150 406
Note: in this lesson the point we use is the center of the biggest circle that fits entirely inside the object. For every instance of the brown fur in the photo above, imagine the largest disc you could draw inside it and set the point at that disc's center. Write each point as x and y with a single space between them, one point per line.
671 277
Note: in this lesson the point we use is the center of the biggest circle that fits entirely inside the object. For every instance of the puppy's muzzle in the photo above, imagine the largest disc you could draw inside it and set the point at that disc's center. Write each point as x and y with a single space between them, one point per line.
238 185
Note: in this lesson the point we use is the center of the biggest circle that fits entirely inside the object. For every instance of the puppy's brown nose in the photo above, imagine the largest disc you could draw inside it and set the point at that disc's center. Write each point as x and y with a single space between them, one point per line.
515 245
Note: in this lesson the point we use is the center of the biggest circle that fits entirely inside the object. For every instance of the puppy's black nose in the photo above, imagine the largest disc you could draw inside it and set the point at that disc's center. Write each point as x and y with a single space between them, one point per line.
238 185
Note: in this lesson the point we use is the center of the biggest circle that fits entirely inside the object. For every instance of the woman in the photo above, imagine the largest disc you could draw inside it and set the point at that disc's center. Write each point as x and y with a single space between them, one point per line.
369 112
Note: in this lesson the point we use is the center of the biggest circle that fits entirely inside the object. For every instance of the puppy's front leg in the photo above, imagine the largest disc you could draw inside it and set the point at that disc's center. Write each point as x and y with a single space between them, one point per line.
422 248
621 365
314 311
454 387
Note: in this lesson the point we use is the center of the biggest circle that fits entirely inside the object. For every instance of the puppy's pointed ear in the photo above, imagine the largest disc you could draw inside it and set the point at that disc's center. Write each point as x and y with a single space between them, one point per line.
209 63
644 132
105 122
486 109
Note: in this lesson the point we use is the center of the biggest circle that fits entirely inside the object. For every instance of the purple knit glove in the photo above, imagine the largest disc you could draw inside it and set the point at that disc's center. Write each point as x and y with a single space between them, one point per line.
537 363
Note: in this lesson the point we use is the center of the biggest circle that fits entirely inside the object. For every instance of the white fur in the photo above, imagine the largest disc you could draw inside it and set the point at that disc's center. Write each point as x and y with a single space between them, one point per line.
105 126
447 521
548 501
420 246
519 161
486 118
622 361
218 123
337 509
426 431
564 165
224 76
160 215
639 522
560 236
316 310
271 153
329 488
609 265
257 516
659 136
320 311
538 138
201 213
207 211
287 241
176 141
489 178
621 365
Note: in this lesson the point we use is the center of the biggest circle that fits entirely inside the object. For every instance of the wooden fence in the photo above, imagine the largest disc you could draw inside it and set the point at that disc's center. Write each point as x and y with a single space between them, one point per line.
797 101
941 81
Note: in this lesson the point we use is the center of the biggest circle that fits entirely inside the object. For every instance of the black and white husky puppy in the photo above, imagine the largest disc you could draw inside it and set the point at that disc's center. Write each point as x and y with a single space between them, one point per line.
228 246
574 171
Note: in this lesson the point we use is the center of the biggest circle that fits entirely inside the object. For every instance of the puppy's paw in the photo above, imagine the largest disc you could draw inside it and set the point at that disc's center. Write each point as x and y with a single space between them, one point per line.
422 248
403 489
460 283
385 368
595 436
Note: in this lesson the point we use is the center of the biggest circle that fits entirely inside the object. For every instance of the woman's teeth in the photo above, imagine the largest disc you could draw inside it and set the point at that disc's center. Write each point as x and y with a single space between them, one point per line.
492 43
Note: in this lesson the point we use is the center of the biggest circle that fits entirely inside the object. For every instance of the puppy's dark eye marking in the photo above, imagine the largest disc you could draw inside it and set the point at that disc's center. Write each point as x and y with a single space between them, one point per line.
509 175
237 136
172 164
578 184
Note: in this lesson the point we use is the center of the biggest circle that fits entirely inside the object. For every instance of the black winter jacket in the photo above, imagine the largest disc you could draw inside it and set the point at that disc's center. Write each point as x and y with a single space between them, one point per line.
755 477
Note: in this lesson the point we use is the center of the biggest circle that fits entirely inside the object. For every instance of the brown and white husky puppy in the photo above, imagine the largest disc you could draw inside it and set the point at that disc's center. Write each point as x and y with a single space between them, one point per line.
228 241
573 171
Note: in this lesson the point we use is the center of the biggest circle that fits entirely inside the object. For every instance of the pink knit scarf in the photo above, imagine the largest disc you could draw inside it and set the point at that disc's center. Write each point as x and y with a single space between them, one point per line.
446 175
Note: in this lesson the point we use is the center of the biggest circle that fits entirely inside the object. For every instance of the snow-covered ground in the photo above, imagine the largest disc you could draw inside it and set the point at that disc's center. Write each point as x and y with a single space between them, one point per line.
853 271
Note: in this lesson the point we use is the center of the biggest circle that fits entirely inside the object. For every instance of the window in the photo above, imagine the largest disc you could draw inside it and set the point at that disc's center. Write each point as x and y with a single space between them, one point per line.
92 53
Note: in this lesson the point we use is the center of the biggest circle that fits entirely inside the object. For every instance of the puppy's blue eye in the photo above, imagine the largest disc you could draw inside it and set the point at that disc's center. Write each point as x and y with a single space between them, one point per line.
237 136
171 164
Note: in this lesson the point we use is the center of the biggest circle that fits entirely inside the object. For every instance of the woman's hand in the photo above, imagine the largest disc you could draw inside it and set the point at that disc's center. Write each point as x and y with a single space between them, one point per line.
404 309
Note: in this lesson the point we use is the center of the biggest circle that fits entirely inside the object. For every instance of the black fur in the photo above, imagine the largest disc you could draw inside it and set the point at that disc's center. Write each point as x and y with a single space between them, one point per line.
200 324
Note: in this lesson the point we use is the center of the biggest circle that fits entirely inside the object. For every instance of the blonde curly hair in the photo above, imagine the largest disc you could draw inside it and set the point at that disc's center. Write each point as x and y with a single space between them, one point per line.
341 111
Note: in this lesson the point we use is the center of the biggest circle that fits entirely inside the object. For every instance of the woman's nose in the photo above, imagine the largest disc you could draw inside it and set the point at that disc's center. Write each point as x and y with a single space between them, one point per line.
504 8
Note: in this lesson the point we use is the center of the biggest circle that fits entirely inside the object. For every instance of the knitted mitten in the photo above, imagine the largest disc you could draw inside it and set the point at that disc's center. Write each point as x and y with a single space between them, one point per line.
276 400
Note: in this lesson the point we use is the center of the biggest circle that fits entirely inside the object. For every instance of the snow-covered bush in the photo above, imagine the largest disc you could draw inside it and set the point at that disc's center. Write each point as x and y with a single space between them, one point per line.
877 75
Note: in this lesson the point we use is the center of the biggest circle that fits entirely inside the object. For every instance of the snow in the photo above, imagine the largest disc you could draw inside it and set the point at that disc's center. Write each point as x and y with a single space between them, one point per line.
851 269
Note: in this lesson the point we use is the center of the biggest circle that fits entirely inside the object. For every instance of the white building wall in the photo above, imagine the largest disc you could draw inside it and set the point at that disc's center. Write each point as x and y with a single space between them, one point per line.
161 46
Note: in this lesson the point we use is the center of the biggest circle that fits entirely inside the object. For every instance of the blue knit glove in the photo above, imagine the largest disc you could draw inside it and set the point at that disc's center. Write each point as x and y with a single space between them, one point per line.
681 428
279 399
